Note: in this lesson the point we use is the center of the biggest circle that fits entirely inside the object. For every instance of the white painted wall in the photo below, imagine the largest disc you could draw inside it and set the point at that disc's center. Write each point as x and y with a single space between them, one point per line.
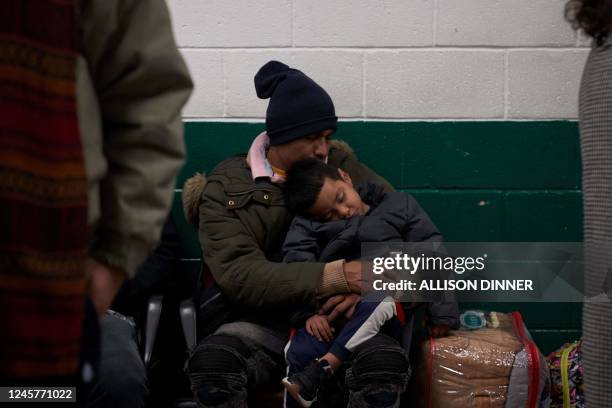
387 59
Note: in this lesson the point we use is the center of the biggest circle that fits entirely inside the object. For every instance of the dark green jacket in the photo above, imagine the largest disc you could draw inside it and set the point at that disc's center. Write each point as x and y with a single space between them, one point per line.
242 225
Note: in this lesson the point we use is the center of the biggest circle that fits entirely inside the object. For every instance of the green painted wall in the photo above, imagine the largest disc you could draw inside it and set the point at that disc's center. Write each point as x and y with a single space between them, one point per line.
479 181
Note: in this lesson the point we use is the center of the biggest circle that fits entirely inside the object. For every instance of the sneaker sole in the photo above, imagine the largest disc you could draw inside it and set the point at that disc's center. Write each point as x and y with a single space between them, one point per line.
294 391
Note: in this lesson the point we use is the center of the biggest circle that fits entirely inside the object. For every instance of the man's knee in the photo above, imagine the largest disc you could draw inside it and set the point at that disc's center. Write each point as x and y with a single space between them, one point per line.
375 396
122 379
218 373
379 373
385 364
125 385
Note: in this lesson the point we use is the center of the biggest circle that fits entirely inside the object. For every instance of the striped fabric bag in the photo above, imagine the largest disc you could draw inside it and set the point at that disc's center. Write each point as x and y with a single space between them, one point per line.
567 373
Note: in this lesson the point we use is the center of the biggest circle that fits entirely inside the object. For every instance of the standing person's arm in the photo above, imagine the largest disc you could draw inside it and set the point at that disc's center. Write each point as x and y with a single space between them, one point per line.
141 83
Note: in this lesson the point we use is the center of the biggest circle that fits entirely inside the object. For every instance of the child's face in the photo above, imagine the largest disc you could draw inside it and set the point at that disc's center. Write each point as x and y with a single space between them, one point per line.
338 200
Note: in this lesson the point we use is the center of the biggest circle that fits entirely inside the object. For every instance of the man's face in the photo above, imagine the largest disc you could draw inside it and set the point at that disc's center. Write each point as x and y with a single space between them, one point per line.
313 146
338 200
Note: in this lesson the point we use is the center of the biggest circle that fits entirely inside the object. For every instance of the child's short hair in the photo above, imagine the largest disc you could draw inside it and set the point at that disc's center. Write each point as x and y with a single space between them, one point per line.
304 182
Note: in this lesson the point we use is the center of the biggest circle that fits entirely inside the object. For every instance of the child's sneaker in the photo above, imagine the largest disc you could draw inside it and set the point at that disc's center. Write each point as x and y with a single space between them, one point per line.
304 385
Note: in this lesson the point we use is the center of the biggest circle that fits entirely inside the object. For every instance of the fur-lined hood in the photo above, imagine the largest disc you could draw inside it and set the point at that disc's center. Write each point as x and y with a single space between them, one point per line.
192 192
194 187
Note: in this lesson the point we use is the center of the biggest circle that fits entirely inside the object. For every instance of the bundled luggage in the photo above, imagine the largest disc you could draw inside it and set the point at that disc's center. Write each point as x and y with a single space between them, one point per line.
494 363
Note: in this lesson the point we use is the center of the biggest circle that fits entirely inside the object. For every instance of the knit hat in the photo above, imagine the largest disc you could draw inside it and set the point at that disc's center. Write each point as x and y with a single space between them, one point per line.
298 105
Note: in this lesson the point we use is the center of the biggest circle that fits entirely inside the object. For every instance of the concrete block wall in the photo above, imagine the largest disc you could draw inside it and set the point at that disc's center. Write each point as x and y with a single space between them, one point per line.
387 59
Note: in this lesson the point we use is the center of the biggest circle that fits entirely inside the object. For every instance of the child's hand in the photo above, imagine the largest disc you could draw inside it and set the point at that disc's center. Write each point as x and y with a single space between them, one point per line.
318 326
438 330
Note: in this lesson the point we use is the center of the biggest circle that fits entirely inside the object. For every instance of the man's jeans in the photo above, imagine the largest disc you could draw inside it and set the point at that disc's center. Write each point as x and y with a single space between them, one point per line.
122 380
377 373
223 370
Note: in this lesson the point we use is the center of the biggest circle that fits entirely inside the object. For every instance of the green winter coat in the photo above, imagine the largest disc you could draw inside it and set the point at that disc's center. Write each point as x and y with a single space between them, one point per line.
242 225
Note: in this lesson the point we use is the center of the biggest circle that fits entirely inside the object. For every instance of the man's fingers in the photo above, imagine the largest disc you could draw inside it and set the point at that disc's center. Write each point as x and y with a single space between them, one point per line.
308 328
333 316
355 300
349 313
331 303
340 309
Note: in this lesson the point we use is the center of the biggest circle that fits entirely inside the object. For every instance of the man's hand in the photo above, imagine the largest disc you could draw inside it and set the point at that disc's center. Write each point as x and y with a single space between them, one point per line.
318 326
438 330
340 305
104 282
353 276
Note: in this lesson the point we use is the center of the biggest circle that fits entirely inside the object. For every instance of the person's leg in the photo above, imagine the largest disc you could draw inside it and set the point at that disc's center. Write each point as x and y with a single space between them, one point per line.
301 351
218 372
378 373
122 380
369 316
223 370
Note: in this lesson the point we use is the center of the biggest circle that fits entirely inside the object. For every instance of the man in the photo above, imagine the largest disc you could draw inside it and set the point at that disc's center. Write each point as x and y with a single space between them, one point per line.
243 218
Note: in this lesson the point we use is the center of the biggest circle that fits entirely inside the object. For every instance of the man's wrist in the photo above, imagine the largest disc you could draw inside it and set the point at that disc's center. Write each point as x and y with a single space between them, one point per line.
353 276
333 280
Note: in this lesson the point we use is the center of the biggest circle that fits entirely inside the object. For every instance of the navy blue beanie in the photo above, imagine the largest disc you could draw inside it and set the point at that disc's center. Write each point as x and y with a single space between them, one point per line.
298 105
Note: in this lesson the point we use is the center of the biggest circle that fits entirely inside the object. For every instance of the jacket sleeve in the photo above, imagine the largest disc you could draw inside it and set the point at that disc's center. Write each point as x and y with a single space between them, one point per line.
444 313
419 227
301 242
141 83
239 265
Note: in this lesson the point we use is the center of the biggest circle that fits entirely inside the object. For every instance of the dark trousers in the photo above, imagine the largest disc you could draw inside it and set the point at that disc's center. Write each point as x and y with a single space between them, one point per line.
223 370
122 379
